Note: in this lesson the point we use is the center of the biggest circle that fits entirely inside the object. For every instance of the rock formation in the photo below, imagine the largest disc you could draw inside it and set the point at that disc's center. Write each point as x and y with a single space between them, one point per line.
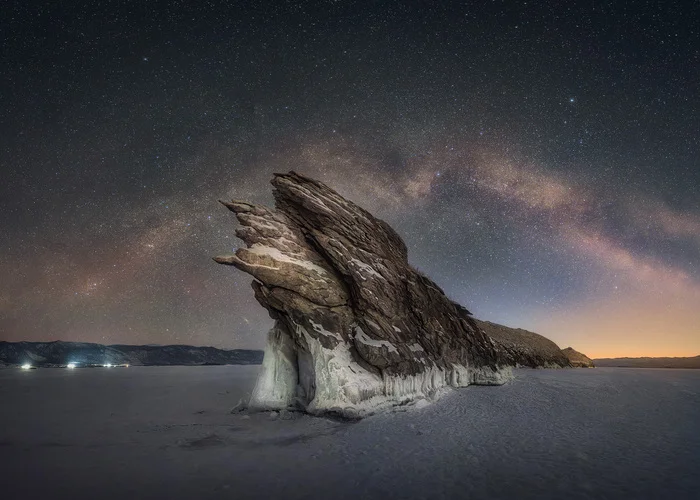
357 329
577 359
523 348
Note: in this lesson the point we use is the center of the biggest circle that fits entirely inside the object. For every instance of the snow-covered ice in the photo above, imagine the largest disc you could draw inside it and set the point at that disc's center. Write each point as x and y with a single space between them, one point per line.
167 432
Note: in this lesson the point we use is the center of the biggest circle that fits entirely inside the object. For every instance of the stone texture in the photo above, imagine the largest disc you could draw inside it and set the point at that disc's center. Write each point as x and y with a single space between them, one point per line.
577 359
523 348
357 329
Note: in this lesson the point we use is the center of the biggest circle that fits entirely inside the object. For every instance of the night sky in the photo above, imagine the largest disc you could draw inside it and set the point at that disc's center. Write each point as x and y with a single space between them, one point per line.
540 159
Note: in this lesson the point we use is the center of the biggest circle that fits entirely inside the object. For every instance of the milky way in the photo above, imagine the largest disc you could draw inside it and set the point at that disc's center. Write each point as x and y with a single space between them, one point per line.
542 164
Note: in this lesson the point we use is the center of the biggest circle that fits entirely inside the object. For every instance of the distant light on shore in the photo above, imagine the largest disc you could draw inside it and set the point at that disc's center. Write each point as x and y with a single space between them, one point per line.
70 365
26 366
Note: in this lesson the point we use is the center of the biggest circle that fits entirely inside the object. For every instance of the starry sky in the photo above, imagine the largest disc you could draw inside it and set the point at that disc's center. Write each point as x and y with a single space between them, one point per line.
540 159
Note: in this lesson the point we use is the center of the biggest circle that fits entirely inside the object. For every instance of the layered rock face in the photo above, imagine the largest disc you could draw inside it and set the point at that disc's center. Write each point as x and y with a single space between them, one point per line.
577 359
357 329
524 348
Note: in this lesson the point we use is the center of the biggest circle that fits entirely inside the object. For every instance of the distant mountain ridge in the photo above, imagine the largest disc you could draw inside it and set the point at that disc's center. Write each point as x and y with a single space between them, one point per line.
689 362
524 348
60 353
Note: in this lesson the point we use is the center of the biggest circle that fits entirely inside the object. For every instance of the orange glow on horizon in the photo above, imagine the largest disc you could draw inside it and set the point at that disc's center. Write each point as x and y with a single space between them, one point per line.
639 325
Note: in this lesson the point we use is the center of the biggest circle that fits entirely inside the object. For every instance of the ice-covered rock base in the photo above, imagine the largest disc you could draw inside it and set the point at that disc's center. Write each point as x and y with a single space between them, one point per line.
329 381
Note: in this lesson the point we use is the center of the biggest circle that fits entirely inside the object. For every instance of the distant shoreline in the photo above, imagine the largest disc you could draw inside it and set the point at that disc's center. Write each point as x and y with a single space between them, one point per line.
60 354
677 362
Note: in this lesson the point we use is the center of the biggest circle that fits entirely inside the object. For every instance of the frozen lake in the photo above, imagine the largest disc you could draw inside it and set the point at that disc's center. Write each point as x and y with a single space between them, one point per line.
166 432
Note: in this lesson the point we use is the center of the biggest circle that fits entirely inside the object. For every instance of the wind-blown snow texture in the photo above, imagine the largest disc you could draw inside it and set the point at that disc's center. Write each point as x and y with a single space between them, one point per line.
357 328
166 432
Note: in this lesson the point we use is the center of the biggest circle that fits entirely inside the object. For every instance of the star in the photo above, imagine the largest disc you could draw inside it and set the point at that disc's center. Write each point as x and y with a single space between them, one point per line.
471 158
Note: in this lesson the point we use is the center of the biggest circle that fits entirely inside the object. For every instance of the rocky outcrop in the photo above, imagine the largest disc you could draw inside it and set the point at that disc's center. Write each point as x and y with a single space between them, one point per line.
577 359
524 348
357 329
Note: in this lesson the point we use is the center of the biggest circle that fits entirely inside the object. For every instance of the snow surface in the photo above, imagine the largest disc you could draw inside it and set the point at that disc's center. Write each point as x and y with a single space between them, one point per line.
166 432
